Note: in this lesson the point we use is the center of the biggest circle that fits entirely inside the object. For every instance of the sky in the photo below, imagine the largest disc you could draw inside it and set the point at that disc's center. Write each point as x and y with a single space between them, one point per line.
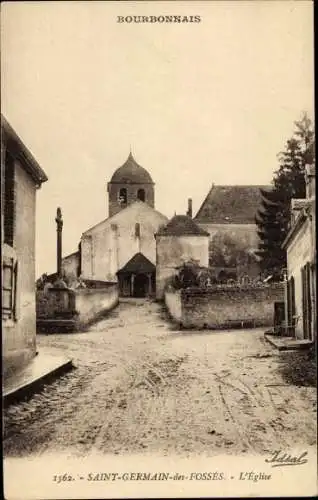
198 103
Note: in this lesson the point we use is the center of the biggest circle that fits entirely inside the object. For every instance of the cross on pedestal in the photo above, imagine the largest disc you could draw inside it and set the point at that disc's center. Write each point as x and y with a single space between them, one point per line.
59 227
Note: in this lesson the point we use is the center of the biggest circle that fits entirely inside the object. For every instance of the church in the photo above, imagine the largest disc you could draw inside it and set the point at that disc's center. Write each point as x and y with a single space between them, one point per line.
139 248
122 247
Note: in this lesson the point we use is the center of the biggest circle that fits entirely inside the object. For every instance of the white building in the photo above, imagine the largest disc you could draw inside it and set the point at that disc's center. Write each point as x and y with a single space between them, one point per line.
300 245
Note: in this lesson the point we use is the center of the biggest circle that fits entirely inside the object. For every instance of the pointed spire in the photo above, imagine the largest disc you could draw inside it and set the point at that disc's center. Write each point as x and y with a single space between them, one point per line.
130 156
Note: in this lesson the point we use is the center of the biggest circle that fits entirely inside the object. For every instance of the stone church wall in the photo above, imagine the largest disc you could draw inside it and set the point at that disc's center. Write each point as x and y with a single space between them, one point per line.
107 247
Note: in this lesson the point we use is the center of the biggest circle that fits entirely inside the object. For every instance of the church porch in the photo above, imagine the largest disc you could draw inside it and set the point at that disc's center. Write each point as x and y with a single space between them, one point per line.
137 278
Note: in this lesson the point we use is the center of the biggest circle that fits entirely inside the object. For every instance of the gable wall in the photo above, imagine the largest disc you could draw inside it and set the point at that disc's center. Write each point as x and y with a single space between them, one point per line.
110 245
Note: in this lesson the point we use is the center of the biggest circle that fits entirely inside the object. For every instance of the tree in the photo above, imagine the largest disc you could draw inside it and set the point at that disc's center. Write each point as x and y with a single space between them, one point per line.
273 219
229 252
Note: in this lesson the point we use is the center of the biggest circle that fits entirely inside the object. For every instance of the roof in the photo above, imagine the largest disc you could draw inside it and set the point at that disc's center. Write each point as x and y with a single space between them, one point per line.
73 254
231 205
182 225
298 222
138 264
131 173
144 206
16 147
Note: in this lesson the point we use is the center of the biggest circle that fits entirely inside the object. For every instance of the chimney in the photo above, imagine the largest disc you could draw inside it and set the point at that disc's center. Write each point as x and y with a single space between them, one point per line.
189 212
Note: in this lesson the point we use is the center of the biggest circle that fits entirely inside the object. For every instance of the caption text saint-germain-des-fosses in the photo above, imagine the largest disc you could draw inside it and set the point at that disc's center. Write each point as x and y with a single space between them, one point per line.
159 19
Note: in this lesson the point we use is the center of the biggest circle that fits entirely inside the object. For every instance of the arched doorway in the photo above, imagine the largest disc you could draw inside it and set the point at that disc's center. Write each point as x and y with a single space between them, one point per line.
141 285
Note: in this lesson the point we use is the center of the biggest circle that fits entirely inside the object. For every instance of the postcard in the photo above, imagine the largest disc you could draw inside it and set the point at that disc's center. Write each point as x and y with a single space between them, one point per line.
158 249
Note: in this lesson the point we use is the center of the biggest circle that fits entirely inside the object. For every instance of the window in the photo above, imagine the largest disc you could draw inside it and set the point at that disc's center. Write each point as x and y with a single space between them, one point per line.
9 201
141 195
137 230
9 286
122 196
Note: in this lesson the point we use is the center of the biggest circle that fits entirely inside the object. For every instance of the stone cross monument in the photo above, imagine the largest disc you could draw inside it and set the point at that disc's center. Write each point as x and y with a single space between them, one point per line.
59 283
59 227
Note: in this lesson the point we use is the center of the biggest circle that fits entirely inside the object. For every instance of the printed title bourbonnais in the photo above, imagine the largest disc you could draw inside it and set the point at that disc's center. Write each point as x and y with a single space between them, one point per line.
159 19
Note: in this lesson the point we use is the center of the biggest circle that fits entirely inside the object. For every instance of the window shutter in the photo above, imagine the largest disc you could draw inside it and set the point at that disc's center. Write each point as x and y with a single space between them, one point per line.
9 288
15 292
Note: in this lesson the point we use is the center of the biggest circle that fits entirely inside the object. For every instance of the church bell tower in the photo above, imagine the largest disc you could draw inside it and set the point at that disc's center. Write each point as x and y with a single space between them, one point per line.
129 183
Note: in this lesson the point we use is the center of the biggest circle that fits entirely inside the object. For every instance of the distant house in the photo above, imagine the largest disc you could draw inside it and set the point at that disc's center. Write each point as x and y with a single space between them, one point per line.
300 245
21 176
228 215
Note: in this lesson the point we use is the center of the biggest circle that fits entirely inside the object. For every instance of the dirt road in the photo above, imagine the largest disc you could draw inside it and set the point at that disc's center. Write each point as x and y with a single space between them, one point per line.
142 386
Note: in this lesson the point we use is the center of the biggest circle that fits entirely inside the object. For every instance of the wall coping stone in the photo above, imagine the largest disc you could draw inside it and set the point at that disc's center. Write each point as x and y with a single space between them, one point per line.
92 291
214 289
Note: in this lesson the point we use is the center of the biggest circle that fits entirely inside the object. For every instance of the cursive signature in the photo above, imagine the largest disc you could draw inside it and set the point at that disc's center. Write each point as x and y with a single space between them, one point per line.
279 459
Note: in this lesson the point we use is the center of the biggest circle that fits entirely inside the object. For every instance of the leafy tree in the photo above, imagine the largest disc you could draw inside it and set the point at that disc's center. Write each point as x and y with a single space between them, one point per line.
225 252
273 219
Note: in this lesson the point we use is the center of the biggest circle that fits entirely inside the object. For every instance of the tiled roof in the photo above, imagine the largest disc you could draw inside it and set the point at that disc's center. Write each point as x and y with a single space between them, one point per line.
182 225
131 173
138 264
231 205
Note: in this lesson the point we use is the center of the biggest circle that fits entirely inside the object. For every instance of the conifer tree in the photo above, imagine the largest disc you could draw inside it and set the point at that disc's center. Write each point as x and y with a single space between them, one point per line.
273 218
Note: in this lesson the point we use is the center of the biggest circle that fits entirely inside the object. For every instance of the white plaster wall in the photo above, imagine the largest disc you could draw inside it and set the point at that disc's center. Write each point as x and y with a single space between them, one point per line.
298 254
19 337
108 246
90 303
70 264
173 251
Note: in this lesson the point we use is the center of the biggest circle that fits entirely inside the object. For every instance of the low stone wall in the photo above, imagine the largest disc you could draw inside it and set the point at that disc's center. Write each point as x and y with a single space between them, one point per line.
92 303
74 309
224 306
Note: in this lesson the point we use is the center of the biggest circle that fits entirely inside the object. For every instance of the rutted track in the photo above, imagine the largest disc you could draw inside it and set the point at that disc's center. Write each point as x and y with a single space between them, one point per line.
141 386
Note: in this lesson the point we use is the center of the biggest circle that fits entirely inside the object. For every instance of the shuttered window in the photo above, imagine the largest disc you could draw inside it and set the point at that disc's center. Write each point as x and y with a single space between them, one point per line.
9 287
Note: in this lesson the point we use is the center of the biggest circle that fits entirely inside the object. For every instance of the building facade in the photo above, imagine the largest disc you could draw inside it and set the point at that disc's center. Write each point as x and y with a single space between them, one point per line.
300 245
137 247
21 176
180 241
122 248
228 214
